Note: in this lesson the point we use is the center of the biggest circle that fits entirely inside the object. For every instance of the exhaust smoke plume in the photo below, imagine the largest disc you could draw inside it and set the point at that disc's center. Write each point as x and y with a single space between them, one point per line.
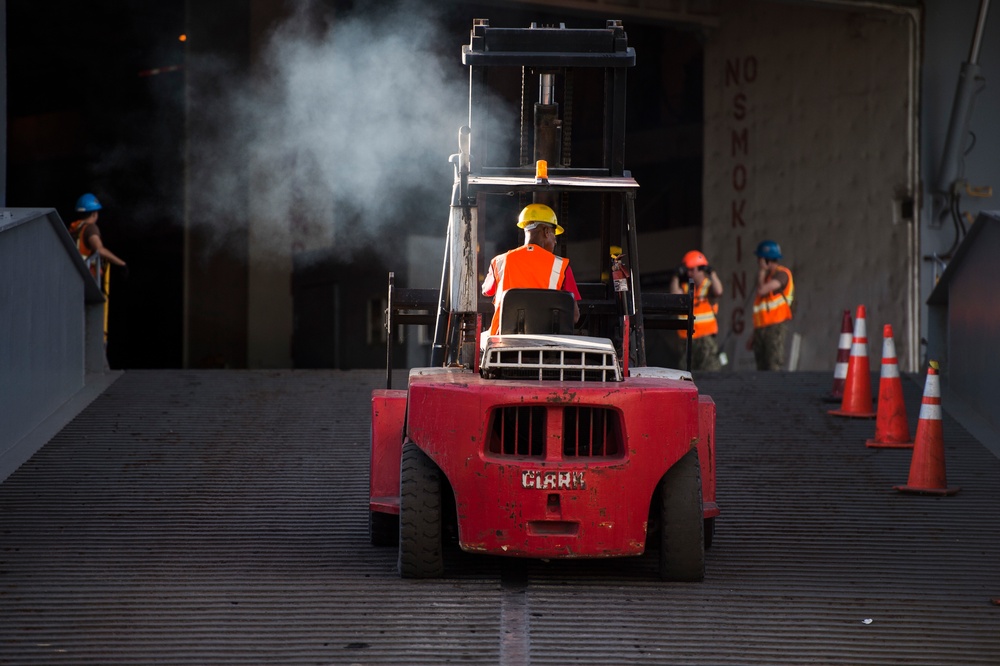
343 130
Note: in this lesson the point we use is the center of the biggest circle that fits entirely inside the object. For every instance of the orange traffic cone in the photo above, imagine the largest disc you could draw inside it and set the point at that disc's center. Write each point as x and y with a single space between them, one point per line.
891 429
857 400
836 394
927 472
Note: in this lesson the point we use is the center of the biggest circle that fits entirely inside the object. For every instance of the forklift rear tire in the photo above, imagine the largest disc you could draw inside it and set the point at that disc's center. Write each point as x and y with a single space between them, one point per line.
420 544
383 528
682 523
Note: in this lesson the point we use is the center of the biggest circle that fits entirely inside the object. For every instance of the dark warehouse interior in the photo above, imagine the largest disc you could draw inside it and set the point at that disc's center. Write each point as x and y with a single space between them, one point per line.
96 103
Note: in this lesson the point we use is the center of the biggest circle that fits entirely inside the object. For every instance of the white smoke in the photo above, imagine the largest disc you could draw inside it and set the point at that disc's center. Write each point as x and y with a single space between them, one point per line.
347 122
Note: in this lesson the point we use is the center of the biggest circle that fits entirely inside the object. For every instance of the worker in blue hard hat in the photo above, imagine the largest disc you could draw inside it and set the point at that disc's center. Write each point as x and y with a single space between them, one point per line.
88 237
88 241
772 307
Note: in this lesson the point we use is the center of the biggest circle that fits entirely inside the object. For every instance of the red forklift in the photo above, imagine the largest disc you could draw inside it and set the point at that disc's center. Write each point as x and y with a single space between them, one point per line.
550 439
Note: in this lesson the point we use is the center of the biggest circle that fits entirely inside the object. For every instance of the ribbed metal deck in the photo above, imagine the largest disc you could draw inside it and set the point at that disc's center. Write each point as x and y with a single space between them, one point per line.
220 517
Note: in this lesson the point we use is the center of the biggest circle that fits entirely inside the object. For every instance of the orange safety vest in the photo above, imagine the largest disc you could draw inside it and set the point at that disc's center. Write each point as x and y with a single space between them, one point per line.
526 267
76 230
776 306
705 322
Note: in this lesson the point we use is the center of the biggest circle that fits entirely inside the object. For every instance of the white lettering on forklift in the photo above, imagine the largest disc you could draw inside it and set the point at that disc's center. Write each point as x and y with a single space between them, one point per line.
553 480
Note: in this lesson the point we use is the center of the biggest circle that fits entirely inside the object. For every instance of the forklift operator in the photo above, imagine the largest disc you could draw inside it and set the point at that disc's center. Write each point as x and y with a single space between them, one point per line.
533 265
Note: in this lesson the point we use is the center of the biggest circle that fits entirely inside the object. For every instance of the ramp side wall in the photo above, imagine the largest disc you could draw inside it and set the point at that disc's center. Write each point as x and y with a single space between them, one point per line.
42 361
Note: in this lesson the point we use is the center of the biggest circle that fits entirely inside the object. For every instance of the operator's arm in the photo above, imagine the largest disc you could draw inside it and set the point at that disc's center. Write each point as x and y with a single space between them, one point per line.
94 241
569 284
490 281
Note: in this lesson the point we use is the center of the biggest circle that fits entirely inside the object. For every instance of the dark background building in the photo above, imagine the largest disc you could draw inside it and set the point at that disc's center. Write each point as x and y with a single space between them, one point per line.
240 226
104 98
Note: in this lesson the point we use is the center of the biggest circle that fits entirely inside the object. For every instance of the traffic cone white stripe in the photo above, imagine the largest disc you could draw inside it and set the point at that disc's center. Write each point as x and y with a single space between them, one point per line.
930 404
860 346
929 412
840 371
890 367
932 388
845 341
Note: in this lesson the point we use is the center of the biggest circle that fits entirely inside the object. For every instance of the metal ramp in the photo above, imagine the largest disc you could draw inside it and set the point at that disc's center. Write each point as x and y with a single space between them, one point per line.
216 517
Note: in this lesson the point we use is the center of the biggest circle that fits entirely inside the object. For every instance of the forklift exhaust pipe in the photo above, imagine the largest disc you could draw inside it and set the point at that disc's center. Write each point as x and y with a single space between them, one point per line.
548 132
546 88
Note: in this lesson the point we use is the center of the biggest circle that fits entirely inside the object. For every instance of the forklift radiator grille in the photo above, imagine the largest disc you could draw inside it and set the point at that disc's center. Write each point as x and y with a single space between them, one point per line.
587 432
551 364
591 432
517 431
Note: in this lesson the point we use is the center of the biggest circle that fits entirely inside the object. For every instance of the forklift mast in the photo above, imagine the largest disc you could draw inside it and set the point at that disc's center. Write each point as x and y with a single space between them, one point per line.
566 150
547 58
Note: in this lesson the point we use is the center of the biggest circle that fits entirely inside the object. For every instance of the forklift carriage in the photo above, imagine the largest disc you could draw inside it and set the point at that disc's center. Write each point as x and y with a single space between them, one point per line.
544 441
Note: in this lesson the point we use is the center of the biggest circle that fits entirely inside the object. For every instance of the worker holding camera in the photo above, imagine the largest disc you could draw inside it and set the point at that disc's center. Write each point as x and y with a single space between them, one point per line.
707 290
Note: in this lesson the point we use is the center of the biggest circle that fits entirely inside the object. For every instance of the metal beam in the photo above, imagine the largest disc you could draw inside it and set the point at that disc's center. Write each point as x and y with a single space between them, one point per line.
691 12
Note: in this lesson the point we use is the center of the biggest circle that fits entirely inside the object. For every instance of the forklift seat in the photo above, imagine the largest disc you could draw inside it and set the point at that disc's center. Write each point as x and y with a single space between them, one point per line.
539 311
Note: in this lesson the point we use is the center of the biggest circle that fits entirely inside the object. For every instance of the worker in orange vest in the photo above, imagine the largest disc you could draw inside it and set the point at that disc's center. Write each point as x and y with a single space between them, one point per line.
772 307
707 290
88 242
88 237
533 265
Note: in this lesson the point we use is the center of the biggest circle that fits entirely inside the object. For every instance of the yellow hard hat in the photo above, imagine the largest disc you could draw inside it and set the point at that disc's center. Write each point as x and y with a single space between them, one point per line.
538 213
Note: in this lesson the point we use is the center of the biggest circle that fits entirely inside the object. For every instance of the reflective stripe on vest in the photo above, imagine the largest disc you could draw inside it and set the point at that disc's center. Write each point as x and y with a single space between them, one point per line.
705 322
76 230
527 267
90 258
776 306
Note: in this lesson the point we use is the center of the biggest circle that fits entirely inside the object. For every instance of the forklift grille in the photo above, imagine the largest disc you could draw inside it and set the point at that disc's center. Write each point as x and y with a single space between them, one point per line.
551 364
591 432
517 431
587 432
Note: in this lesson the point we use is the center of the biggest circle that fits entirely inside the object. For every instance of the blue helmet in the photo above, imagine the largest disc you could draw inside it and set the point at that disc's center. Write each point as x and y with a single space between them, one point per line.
87 203
768 250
